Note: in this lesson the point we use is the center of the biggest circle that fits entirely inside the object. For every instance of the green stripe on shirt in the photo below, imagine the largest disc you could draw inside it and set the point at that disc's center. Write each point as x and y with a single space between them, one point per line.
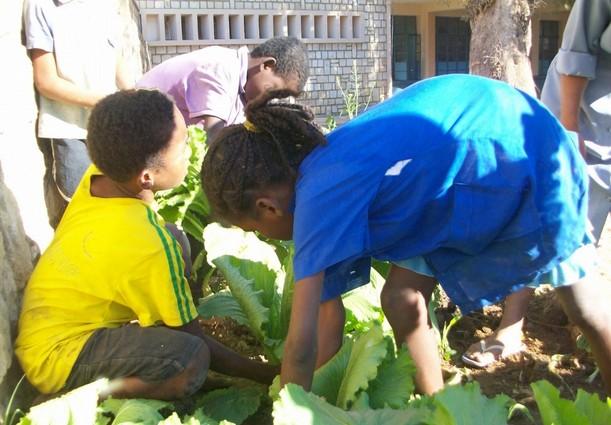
181 273
168 255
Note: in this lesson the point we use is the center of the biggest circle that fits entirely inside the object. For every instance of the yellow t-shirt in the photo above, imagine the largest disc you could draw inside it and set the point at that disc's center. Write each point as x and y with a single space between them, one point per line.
111 262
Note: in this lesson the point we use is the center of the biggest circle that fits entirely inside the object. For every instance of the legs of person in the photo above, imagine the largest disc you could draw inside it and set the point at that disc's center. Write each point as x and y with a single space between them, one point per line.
154 362
405 298
53 200
586 304
507 339
599 207
331 319
173 388
66 160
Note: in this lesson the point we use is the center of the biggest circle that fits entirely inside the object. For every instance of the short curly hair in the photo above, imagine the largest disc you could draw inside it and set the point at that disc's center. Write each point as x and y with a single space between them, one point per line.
291 57
128 130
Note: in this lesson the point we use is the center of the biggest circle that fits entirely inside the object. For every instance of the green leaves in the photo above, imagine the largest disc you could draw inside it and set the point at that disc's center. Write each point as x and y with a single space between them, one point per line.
135 411
367 353
328 378
394 383
74 408
186 204
343 379
587 409
242 287
455 405
297 407
465 405
232 404
222 304
261 286
597 412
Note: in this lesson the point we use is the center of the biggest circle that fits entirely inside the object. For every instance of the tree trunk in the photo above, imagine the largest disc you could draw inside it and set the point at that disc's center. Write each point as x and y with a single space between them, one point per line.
134 51
501 41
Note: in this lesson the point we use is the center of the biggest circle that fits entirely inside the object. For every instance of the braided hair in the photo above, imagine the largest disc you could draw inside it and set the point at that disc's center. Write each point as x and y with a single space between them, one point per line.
241 162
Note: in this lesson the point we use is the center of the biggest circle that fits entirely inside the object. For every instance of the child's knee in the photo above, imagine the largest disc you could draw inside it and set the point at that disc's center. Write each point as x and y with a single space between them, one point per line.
333 313
193 376
404 303
585 306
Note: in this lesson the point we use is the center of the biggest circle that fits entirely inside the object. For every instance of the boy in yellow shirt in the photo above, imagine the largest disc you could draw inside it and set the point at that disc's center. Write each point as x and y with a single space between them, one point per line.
109 297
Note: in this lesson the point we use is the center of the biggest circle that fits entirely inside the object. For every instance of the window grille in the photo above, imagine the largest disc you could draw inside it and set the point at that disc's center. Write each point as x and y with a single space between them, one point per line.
163 27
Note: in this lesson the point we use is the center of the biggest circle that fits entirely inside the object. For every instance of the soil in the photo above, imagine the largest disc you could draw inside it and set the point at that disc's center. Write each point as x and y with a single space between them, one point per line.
551 352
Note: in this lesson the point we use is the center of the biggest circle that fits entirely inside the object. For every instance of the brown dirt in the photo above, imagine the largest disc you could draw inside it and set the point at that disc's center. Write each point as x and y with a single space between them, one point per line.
550 353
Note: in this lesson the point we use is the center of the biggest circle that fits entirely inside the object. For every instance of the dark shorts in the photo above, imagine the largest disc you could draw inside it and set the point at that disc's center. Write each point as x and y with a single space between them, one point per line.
153 354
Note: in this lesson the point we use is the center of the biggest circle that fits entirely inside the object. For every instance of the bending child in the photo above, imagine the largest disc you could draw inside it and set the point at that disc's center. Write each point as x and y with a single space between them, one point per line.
484 193
211 85
109 297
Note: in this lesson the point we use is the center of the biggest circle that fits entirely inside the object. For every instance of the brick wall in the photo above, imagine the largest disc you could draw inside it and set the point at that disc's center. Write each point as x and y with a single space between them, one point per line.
365 46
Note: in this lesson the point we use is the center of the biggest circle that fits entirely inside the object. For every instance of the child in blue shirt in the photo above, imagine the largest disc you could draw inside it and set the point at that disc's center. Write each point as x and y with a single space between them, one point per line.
458 179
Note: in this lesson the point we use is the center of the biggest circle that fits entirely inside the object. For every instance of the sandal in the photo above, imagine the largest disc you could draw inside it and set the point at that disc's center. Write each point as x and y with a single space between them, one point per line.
498 350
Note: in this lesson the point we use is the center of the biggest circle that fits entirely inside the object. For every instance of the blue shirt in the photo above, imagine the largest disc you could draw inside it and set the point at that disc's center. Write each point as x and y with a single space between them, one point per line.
478 178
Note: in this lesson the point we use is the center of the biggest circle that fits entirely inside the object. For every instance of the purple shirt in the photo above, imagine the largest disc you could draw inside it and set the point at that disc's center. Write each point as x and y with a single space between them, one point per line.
208 81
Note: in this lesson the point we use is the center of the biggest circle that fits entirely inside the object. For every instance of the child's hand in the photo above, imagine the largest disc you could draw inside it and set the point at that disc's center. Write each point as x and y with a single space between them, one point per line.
268 372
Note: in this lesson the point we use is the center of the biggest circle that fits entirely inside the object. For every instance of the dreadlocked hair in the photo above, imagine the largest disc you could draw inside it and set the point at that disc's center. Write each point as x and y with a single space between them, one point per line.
241 162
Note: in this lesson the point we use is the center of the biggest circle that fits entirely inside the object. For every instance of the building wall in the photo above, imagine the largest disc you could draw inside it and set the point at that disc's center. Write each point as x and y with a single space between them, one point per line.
427 11
361 40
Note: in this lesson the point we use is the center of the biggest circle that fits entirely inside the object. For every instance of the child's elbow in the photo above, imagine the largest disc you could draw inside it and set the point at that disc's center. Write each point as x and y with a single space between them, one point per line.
43 85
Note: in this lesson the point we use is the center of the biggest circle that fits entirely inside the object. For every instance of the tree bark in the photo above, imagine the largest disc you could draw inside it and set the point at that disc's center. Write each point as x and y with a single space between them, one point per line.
134 50
501 41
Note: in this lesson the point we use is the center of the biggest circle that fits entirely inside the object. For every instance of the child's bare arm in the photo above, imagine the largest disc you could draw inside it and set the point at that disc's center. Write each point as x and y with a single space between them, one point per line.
228 362
299 358
571 91
212 125
52 86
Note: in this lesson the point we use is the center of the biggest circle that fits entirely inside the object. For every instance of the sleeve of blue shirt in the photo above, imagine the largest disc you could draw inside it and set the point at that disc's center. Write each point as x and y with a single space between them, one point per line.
587 30
331 225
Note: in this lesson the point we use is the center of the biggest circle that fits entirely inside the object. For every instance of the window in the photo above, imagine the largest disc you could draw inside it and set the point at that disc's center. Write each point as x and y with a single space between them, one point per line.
167 27
405 51
452 37
548 47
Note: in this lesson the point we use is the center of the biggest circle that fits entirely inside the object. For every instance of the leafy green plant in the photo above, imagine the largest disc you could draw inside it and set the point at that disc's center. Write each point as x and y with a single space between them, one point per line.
587 409
261 287
351 94
260 284
12 414
76 407
186 205
366 373
298 407
80 407
445 350
454 405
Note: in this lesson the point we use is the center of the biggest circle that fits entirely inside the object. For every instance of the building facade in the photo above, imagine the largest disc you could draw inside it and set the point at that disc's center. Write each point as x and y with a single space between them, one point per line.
431 37
377 45
341 35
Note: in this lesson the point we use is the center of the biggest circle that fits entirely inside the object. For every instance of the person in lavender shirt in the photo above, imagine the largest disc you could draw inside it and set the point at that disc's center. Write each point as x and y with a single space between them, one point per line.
212 85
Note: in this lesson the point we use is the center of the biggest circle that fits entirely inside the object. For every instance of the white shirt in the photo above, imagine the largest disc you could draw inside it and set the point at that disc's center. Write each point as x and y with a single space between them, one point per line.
82 35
